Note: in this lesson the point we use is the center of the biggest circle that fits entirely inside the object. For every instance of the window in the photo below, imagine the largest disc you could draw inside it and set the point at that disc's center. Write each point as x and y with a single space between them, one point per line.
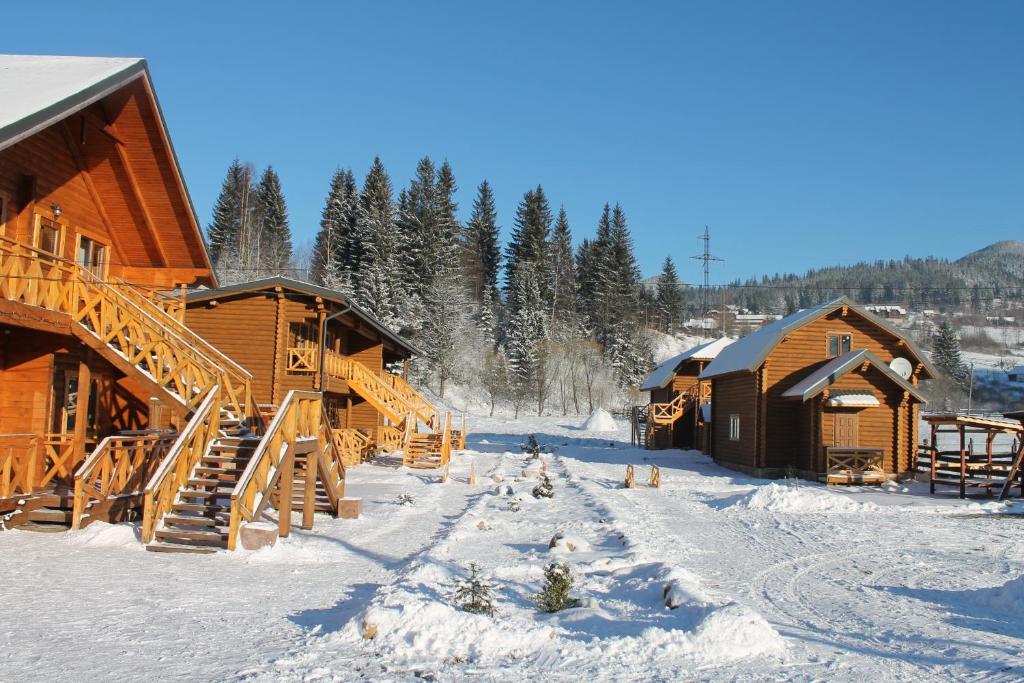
91 255
48 236
734 427
838 344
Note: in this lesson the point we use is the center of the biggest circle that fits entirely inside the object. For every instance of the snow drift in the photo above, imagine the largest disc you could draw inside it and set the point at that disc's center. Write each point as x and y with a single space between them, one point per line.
600 421
783 498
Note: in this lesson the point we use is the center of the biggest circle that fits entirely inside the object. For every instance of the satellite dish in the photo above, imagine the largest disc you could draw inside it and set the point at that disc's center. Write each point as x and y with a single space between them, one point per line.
902 367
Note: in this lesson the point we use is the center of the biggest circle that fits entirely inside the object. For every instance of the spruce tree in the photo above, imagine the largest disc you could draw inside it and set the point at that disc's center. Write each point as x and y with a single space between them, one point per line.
563 270
525 338
528 246
335 258
480 248
946 353
378 288
275 233
446 229
223 232
416 224
669 299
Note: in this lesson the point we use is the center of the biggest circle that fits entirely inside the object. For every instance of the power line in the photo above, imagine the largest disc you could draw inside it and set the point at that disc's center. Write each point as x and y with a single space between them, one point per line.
706 258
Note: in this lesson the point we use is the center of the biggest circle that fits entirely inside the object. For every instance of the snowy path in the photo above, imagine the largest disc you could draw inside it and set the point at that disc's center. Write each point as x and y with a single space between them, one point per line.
95 606
773 581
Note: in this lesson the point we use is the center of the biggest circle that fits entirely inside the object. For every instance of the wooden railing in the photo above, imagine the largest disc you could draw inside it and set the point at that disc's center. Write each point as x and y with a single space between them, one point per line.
176 468
305 358
20 469
296 428
373 388
854 465
446 441
352 444
60 455
424 410
120 466
389 438
143 334
332 461
668 413
171 304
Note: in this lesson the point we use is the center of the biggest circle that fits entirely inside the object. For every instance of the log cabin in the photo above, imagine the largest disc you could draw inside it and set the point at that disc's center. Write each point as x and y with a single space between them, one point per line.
92 206
831 393
297 336
111 408
674 414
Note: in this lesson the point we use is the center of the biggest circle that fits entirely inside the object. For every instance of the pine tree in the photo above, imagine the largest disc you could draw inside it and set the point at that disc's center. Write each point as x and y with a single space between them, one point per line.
275 233
480 248
335 258
378 288
525 337
446 229
448 334
474 595
527 249
229 212
669 299
563 270
946 353
416 224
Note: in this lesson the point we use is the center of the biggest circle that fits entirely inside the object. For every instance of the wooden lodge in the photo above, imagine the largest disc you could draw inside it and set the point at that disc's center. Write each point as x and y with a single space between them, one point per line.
112 406
829 393
296 336
675 414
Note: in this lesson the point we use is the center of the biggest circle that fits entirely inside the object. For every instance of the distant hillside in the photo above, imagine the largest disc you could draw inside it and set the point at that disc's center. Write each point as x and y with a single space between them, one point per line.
997 271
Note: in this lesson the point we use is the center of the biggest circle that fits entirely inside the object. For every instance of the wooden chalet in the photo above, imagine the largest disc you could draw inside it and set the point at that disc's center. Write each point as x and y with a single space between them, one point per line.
111 407
675 418
297 336
830 393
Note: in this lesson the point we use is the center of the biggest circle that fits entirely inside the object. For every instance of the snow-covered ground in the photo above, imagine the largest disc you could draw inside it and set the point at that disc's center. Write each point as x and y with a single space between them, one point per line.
770 580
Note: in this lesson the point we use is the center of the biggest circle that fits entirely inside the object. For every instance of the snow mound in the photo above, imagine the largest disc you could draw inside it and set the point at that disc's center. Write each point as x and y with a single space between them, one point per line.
1008 598
103 535
783 498
600 421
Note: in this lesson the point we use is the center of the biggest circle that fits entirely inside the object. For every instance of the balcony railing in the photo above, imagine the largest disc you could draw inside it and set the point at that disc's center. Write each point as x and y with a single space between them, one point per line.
304 358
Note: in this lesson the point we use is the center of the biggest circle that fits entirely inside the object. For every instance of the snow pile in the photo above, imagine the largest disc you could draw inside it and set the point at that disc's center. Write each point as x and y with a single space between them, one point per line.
600 421
1007 599
782 498
103 535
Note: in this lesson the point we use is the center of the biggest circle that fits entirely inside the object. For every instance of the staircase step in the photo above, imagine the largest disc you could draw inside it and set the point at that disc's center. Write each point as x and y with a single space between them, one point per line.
59 516
199 481
45 527
218 469
240 460
200 537
180 548
200 507
208 495
195 520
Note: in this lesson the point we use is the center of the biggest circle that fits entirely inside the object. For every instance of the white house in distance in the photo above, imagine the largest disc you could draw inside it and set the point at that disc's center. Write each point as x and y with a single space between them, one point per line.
1016 374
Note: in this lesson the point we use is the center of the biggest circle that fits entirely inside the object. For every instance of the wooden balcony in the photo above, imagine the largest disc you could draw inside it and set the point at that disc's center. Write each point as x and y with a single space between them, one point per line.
303 359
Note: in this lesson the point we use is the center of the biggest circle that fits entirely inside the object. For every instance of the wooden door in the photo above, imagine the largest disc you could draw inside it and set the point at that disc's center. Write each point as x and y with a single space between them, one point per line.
846 430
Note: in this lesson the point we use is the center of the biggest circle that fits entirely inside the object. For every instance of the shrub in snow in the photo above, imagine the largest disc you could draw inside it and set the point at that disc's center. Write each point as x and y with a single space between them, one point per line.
474 595
544 488
564 541
554 596
405 499
514 505
532 448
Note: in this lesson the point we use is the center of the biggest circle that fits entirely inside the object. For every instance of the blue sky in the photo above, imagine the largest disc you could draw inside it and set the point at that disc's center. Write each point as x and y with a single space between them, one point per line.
803 133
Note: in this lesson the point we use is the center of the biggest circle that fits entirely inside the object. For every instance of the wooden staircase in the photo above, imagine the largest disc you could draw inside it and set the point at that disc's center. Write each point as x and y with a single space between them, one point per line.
662 417
46 510
396 401
429 449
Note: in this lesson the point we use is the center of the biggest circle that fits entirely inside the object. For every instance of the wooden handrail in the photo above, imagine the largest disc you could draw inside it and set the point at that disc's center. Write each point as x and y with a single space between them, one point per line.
20 470
174 470
120 465
299 419
354 372
424 408
138 330
667 413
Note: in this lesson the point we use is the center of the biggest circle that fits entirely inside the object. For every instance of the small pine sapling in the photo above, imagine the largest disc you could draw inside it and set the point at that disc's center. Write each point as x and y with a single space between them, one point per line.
554 596
405 499
532 448
544 489
474 595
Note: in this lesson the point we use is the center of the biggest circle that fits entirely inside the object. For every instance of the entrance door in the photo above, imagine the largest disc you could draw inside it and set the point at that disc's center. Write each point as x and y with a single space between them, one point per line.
846 430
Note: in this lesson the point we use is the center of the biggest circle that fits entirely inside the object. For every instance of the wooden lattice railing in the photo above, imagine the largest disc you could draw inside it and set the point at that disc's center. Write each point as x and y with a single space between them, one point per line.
20 470
174 470
668 413
371 387
140 332
120 466
847 464
305 358
389 438
352 444
332 460
298 427
424 410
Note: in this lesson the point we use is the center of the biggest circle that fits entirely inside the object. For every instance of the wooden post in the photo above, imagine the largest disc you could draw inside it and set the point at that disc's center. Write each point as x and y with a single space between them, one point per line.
963 463
81 413
472 473
286 486
309 499
655 477
630 477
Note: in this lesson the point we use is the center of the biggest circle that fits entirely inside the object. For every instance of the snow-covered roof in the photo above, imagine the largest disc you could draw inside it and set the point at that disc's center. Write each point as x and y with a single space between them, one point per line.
663 373
748 352
818 380
852 399
36 91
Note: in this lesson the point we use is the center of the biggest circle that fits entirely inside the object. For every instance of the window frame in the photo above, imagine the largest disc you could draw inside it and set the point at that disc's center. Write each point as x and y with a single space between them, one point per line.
839 337
37 231
734 427
104 266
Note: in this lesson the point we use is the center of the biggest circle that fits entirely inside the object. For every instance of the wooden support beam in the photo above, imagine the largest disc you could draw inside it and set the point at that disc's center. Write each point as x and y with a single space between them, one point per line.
82 407
309 492
115 242
133 182
286 485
